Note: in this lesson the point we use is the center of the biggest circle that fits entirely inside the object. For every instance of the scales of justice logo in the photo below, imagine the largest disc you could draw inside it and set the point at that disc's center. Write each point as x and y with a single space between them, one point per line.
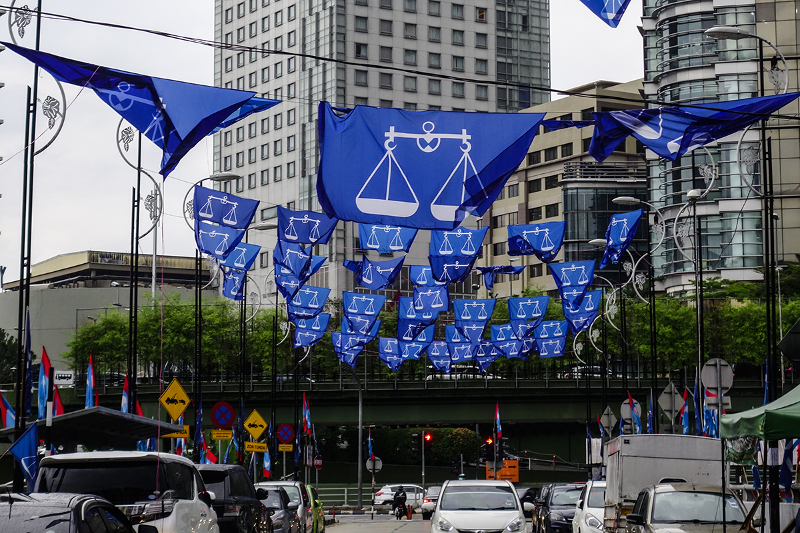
388 190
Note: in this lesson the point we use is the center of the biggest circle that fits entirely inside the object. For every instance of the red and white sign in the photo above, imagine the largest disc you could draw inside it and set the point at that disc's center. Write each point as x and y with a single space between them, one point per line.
318 463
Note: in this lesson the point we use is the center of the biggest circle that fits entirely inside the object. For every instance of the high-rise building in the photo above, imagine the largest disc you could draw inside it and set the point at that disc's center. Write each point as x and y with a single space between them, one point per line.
409 54
685 66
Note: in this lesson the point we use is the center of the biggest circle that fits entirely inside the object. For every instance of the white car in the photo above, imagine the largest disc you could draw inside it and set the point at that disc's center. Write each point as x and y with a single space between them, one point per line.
479 505
174 500
589 509
385 496
297 494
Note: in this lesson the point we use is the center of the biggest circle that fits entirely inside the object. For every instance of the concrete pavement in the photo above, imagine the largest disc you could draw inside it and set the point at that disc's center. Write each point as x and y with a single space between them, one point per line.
380 524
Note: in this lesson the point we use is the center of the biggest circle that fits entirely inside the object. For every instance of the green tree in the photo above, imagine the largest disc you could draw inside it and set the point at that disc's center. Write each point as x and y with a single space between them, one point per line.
8 357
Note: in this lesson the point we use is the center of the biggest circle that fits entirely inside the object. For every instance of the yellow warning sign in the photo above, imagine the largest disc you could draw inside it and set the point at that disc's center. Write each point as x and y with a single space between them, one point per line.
221 434
178 435
255 424
285 447
260 447
174 399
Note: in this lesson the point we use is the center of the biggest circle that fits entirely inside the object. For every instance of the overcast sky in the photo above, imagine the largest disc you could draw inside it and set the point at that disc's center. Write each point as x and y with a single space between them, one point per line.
83 187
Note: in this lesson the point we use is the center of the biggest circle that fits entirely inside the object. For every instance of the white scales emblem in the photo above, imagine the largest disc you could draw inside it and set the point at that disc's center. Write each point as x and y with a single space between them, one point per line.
396 242
534 313
583 279
547 244
544 345
467 249
435 304
427 142
354 308
291 231
480 307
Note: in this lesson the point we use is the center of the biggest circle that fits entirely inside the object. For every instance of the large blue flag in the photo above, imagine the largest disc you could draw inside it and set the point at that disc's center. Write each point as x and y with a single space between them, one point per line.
430 301
473 309
217 241
457 242
370 333
424 169
309 332
318 323
451 268
422 276
620 233
375 275
291 259
581 318
544 240
308 302
490 272
609 11
24 451
572 280
389 352
526 313
362 310
439 356
174 115
460 351
233 284
486 353
223 208
502 332
304 226
551 338
385 239
673 131
289 284
242 256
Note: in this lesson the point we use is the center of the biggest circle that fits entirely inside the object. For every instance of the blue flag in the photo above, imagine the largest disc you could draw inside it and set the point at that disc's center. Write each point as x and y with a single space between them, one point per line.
486 353
651 415
422 276
242 256
756 478
375 275
217 241
308 302
620 233
426 335
551 338
291 259
511 348
572 280
289 284
473 309
502 332
370 333
581 318
430 301
417 169
385 239
490 272
439 356
685 412
362 310
457 242
460 351
223 208
172 114
526 313
637 421
348 355
304 226
609 11
233 284
389 352
786 478
698 409
673 131
318 323
308 337
554 125
24 451
544 240
452 268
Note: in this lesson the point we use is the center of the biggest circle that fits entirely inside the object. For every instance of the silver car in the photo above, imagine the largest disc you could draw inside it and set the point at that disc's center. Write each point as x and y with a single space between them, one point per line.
297 494
479 505
590 508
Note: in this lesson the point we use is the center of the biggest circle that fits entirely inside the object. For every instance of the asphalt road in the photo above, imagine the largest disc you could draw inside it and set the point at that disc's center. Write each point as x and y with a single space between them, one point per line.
381 524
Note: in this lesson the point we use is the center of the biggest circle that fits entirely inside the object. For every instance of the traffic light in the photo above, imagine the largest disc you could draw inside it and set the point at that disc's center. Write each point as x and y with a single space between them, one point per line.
415 443
427 440
488 449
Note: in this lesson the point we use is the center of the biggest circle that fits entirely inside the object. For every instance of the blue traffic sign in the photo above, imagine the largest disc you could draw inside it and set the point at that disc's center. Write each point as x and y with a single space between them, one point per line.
285 433
222 415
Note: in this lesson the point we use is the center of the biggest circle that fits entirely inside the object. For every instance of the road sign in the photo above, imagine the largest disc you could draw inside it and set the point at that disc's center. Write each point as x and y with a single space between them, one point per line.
64 378
377 464
790 343
221 434
260 447
608 420
255 424
285 447
318 463
717 374
285 433
712 402
671 401
178 435
174 399
222 415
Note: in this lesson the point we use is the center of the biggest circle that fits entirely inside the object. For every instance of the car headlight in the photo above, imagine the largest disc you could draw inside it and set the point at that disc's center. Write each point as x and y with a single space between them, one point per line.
444 525
516 525
592 521
557 517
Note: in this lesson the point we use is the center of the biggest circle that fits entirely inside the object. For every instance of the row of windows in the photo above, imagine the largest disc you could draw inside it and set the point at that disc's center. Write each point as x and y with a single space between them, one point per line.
434 8
550 154
291 14
253 153
457 37
263 178
252 128
291 63
240 10
535 213
408 106
411 85
501 221
386 55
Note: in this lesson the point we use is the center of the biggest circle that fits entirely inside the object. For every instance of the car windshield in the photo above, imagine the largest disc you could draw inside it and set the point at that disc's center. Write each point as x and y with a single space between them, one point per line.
478 498
699 507
434 491
293 492
273 500
597 498
120 482
568 496
215 481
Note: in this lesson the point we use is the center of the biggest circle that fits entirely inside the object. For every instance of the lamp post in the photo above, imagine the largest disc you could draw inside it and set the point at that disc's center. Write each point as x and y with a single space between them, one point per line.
511 278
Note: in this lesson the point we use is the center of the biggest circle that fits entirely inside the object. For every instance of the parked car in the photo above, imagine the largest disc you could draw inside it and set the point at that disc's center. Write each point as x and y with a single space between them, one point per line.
282 509
528 495
414 494
479 505
237 503
537 518
298 494
429 501
558 508
684 507
161 490
317 510
62 513
589 509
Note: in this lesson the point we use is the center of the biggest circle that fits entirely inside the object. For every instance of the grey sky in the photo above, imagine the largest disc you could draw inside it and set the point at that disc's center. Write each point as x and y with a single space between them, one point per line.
83 187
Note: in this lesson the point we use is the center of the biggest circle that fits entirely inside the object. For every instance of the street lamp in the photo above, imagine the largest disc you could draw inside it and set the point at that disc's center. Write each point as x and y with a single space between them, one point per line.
736 34
511 277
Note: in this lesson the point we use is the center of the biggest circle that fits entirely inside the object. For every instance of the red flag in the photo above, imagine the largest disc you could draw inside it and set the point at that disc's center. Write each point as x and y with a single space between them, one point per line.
58 406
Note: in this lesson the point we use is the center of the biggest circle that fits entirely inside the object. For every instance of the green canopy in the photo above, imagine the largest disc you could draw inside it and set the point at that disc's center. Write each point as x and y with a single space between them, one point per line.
777 420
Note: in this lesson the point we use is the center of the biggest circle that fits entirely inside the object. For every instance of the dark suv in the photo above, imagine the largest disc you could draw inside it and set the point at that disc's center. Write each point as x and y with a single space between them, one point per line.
236 502
556 507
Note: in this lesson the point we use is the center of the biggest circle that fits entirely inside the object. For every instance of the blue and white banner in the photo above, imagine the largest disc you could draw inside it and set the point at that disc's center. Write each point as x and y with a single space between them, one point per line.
453 334
451 268
457 242
288 284
408 330
430 301
356 303
511 348
304 226
223 208
572 280
349 357
370 332
544 240
422 276
609 11
317 323
460 352
425 336
308 302
472 330
424 169
486 353
242 256
550 329
490 272
554 125
291 258
233 284
621 230
408 311
216 241
530 308
345 342
553 347
474 309
502 332
375 275
671 132
439 356
389 352
551 338
581 318
385 239
307 337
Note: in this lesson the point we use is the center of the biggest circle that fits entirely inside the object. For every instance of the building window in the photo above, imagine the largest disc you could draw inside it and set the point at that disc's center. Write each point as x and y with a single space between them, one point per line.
499 248
290 91
290 143
253 29
291 64
409 106
240 59
265 125
239 134
290 170
481 40
502 195
253 55
240 10
498 221
513 190
386 54
229 38
481 66
361 2
265 151
253 79
512 218
229 15
434 8
268 213
458 63
457 11
434 60
277 147
434 34
228 64
384 26
410 6
434 86
290 117
265 24
226 162
361 78
384 103
290 206
551 153
535 271
265 49
410 57
386 4
251 155
251 180
291 12
410 31
534 186
278 44
480 14
551 210
361 51
278 18
410 84
292 38
551 182
361 24
277 173
227 138
566 150
458 37
534 158
434 108
586 144
265 177
278 69
240 35
263 259
385 80
534 214
239 184
481 92
277 93
359 100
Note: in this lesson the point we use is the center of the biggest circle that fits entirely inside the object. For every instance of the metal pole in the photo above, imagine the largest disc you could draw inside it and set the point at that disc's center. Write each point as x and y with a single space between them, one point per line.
423 458
653 337
134 304
698 288
48 432
131 404
780 324
360 440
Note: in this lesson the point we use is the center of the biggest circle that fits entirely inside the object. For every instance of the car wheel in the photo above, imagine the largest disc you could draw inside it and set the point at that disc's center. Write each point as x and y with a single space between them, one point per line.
426 516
